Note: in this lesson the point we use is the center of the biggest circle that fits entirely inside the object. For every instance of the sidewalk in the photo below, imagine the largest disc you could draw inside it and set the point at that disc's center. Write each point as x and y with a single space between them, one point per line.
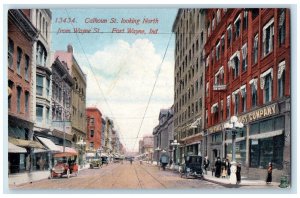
244 181
22 178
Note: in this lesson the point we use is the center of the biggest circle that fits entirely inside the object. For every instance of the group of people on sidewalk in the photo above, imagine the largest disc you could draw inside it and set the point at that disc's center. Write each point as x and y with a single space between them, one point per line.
224 169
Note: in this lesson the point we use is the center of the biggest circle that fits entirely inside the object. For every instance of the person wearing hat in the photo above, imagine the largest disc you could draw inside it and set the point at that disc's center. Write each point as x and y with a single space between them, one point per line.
238 173
232 178
269 175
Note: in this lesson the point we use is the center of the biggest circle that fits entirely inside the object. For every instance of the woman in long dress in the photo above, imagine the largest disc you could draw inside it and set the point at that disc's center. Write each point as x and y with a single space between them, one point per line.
269 175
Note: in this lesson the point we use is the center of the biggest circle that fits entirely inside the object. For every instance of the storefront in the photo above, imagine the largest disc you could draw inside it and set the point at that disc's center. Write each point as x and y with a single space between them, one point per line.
265 138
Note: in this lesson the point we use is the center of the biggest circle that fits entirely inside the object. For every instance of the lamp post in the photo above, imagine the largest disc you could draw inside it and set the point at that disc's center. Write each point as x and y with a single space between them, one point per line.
233 126
158 149
174 144
81 143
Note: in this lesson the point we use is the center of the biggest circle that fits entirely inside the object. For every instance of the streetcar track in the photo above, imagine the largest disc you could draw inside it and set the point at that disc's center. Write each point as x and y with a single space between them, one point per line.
153 177
140 184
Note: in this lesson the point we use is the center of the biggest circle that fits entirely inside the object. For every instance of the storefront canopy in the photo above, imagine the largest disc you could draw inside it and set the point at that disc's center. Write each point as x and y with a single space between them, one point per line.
67 149
49 144
25 143
15 149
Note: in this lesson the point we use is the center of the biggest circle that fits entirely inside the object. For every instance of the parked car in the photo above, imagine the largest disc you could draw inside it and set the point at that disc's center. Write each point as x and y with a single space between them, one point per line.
96 162
65 165
192 167
104 160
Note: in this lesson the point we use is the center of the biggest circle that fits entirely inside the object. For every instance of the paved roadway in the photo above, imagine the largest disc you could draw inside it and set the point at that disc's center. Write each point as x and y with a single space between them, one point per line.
122 176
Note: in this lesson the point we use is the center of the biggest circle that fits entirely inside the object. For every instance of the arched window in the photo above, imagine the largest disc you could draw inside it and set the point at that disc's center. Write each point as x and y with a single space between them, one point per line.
41 54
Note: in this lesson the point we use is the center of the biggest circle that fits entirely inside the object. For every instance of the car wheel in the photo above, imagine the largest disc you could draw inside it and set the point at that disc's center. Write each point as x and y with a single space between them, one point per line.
68 173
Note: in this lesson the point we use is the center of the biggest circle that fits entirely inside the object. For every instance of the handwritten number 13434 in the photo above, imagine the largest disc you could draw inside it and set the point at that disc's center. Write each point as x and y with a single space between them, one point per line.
65 20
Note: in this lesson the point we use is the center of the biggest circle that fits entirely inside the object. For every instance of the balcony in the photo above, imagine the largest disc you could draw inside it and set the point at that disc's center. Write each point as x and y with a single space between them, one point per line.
219 87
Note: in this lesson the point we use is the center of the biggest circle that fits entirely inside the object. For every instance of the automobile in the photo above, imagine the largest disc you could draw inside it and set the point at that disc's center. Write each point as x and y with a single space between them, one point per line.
104 160
96 162
192 167
65 165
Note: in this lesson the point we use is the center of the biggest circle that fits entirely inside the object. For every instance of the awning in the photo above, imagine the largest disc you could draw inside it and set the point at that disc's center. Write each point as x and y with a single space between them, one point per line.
266 135
15 149
49 144
37 150
67 149
104 155
25 143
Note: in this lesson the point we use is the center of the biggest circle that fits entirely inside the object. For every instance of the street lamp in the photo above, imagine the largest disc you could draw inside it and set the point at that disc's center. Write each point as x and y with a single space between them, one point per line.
233 126
174 144
81 143
158 149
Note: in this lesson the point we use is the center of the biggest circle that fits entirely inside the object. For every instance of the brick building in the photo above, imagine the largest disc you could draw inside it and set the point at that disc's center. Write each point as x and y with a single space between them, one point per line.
247 74
21 37
94 128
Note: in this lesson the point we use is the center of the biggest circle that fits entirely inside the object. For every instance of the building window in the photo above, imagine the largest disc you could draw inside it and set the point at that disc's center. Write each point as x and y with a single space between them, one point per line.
268 37
91 145
39 85
48 87
228 107
19 92
222 44
91 121
218 51
229 36
244 98
240 151
92 133
19 57
235 67
281 26
41 54
255 49
255 13
39 113
10 85
281 79
213 24
237 26
245 20
245 58
201 37
10 52
27 67
236 102
26 101
266 85
48 115
218 16
253 84
216 138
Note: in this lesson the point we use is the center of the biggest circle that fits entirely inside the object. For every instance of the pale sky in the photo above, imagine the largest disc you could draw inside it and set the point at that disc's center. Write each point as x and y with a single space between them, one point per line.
125 65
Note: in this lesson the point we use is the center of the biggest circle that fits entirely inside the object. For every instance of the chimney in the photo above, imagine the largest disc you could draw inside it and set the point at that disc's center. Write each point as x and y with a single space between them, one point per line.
70 48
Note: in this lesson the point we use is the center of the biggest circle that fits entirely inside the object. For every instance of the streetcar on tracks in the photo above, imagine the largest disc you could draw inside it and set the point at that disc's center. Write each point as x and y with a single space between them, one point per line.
65 165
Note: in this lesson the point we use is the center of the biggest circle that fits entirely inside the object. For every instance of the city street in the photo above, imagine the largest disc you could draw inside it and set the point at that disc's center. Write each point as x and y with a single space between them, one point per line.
122 176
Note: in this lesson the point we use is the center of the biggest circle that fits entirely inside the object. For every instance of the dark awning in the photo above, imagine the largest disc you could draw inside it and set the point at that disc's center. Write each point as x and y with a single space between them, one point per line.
25 143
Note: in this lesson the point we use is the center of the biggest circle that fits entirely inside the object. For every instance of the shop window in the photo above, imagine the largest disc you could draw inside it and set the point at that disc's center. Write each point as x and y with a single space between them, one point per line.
254 128
240 151
255 49
268 37
281 26
10 52
19 57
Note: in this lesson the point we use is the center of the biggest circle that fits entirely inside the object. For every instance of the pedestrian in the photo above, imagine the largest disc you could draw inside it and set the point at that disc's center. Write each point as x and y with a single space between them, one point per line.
269 175
206 164
233 168
224 170
238 173
227 165
218 165
213 170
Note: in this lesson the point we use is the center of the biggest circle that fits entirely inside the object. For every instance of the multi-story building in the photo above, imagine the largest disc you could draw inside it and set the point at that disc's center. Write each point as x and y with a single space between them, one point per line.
190 30
160 133
108 135
248 75
21 38
78 117
94 128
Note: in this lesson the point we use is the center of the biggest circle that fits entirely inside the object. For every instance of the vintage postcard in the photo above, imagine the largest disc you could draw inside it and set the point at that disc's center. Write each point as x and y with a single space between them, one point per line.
148 98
